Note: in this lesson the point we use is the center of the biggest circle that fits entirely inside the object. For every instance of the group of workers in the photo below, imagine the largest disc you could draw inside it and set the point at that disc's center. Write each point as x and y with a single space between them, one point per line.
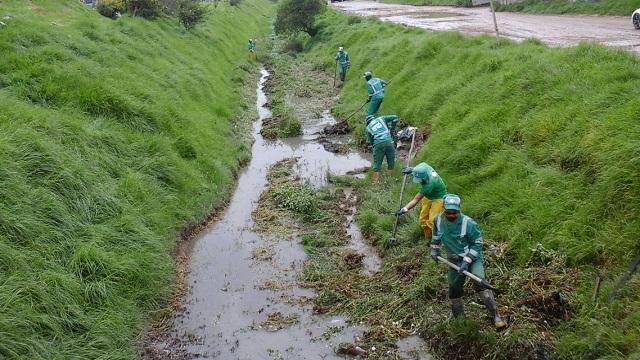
443 223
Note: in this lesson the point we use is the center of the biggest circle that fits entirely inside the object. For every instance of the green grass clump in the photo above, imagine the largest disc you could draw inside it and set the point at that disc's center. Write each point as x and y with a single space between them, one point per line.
284 123
299 198
601 7
114 135
541 145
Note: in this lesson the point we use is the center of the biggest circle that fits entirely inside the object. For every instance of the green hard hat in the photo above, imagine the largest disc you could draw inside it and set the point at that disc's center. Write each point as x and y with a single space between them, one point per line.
452 202
420 172
369 118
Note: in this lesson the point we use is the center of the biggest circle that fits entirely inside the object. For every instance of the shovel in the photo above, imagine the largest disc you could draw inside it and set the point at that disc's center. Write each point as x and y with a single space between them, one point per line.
477 280
355 112
393 240
335 73
360 108
623 279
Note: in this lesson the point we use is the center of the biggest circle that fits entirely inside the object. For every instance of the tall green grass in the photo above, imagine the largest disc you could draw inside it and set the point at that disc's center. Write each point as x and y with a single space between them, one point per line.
601 7
113 136
542 144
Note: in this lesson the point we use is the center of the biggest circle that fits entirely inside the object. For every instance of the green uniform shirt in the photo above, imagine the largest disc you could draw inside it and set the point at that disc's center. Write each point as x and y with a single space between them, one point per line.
343 58
379 130
435 188
462 237
375 87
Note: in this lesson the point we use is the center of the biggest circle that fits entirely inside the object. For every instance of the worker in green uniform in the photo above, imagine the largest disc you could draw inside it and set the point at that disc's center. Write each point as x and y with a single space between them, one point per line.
463 242
375 90
251 46
379 132
342 58
432 190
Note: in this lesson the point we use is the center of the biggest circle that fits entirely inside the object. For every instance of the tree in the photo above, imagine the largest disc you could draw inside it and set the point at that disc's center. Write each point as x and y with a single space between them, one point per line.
298 15
146 8
191 12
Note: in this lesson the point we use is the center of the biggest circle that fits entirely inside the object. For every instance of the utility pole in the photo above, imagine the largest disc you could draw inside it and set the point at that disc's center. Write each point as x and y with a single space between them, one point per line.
495 22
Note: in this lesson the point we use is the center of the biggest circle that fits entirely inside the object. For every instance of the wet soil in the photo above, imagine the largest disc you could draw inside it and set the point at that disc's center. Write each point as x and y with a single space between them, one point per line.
363 253
554 30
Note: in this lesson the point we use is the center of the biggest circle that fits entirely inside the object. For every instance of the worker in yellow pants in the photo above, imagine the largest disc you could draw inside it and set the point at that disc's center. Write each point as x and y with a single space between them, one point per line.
430 210
432 190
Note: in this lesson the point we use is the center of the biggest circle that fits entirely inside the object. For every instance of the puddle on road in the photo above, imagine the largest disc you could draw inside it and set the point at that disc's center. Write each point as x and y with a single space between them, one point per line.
242 283
434 15
423 14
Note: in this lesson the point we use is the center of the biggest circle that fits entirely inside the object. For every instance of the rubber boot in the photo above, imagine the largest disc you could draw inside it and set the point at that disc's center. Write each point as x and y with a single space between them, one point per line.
457 307
490 303
427 234
376 177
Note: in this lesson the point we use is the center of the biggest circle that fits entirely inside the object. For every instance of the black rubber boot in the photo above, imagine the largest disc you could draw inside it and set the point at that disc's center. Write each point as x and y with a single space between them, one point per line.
490 302
457 307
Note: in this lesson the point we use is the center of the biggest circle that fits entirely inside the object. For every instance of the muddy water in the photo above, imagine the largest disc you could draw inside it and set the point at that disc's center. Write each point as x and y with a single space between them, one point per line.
239 278
554 30
371 262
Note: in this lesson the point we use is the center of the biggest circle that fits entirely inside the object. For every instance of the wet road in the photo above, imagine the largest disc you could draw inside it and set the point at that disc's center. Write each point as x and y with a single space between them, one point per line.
554 30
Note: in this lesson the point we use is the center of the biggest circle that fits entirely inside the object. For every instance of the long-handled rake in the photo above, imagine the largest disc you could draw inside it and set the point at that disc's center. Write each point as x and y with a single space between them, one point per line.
393 240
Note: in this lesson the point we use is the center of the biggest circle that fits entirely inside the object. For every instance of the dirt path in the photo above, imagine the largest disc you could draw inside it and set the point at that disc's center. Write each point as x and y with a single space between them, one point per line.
554 30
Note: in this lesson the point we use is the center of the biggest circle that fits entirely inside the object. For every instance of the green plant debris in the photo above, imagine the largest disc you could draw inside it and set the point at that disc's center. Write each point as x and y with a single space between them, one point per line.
331 332
297 93
287 196
277 321
273 285
284 122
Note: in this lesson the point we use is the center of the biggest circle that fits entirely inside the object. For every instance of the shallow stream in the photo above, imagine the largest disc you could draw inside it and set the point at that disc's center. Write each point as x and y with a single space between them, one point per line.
243 300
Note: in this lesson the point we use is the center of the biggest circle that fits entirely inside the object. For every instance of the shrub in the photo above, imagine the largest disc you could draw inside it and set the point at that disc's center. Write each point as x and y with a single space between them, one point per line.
354 20
110 8
298 15
190 13
145 8
234 2
294 46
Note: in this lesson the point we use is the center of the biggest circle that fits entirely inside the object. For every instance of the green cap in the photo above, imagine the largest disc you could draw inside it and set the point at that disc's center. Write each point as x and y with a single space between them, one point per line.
452 202
420 173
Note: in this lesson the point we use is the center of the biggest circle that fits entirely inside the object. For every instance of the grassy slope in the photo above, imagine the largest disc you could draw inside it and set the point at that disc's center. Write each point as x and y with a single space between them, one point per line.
603 7
113 136
541 143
